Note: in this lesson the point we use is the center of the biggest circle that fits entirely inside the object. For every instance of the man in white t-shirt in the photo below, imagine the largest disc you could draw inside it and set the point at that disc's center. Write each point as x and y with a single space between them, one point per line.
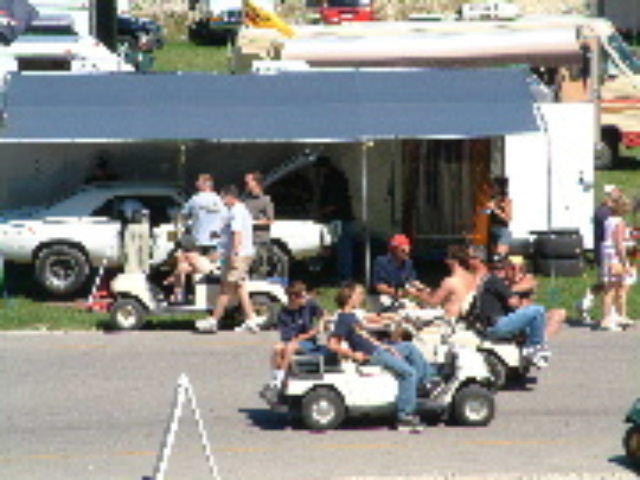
237 250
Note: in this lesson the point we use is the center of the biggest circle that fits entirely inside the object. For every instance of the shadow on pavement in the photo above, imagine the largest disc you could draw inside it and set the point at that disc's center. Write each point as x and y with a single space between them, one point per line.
266 419
624 462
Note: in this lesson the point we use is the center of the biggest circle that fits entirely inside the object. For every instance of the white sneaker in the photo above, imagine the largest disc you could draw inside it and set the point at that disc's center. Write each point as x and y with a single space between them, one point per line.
208 325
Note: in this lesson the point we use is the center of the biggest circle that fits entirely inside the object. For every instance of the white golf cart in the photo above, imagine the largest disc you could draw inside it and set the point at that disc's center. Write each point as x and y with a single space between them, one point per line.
136 296
322 390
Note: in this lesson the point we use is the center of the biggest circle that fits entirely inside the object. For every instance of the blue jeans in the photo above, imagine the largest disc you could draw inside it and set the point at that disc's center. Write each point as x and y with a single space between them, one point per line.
530 319
409 371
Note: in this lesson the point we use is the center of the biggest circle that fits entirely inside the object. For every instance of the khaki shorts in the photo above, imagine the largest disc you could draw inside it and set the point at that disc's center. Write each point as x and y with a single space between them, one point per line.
236 269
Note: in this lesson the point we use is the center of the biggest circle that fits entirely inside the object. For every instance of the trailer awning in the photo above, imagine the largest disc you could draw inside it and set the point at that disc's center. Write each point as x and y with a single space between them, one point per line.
303 106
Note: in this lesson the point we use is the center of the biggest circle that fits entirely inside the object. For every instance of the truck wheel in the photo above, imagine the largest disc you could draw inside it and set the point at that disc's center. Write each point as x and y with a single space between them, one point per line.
61 269
558 246
473 406
323 409
264 306
560 267
631 444
497 369
127 314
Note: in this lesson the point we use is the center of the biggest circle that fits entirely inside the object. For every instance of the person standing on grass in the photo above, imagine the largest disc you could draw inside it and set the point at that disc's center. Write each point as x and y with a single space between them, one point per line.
262 210
602 212
500 210
616 268
237 248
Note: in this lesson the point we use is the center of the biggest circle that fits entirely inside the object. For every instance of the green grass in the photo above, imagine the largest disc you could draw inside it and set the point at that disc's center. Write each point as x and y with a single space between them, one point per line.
184 56
20 313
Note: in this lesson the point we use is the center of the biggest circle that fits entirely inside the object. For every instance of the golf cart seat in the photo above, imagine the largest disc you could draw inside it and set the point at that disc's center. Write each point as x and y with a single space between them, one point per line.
316 363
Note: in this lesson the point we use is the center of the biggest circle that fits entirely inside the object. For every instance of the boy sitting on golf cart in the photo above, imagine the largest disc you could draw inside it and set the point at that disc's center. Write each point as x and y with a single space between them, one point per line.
297 323
349 339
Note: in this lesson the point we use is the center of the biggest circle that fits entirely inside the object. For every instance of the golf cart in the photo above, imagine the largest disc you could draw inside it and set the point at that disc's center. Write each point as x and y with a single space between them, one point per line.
631 441
323 390
137 296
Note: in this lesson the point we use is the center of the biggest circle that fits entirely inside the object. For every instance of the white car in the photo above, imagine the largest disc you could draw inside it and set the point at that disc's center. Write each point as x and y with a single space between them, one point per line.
65 240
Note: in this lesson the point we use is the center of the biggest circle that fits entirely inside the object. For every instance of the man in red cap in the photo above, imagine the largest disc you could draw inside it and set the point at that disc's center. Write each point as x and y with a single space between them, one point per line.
393 273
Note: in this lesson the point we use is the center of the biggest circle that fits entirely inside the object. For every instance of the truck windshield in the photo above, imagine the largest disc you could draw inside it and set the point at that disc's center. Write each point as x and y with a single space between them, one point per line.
624 53
348 3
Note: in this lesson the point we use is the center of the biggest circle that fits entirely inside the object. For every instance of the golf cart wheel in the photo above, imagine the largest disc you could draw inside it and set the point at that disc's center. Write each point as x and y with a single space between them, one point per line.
473 406
632 444
265 306
323 409
61 269
497 370
127 314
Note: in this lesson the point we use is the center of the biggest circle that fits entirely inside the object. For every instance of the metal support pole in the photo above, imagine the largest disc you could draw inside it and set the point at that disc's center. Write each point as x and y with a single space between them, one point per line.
182 161
594 84
365 212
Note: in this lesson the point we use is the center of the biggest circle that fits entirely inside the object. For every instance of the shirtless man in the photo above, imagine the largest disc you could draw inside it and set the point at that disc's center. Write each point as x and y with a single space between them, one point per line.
456 291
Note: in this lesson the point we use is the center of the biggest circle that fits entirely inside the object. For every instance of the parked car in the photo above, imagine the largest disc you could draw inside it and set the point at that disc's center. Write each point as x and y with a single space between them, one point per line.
142 34
64 241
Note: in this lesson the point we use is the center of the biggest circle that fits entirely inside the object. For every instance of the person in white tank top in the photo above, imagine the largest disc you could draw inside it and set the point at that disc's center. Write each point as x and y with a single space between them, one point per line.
615 264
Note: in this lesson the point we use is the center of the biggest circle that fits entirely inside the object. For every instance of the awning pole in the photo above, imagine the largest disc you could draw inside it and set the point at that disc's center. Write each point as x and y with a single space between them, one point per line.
365 213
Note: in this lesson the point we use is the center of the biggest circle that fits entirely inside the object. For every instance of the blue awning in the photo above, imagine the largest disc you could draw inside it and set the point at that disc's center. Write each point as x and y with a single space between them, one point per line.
303 106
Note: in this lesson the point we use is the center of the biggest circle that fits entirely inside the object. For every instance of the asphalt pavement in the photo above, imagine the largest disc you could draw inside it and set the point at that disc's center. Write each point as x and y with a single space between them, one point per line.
92 405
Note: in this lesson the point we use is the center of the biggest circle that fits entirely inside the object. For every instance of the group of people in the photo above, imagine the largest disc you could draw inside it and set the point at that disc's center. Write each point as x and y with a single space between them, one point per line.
224 227
616 272
496 296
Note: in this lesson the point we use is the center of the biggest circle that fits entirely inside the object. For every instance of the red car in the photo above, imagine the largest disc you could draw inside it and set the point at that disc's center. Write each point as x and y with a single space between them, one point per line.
338 11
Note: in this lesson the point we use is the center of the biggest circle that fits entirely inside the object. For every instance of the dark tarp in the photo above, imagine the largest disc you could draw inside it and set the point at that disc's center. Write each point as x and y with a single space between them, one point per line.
302 106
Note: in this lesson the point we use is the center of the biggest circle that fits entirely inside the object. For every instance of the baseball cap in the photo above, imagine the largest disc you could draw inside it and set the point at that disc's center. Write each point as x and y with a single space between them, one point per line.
399 240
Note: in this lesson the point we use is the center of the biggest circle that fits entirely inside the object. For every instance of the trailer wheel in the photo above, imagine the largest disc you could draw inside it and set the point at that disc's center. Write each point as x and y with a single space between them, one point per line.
323 409
127 314
473 405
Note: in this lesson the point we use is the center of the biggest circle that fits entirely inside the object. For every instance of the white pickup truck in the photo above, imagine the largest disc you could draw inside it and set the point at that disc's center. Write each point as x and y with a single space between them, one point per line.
64 241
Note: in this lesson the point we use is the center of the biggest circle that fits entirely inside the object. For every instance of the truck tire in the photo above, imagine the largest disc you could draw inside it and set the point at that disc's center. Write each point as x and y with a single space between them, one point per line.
521 246
473 406
611 138
323 409
558 246
265 306
559 267
127 314
61 269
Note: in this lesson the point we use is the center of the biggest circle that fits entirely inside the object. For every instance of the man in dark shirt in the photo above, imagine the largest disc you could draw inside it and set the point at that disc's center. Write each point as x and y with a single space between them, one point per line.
403 360
498 313
393 273
332 203
296 323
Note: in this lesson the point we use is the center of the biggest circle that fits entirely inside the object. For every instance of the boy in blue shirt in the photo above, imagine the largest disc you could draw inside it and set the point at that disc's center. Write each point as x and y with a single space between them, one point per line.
298 331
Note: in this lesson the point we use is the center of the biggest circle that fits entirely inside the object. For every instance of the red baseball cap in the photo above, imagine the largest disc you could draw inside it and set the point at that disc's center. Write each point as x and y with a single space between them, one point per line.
399 240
